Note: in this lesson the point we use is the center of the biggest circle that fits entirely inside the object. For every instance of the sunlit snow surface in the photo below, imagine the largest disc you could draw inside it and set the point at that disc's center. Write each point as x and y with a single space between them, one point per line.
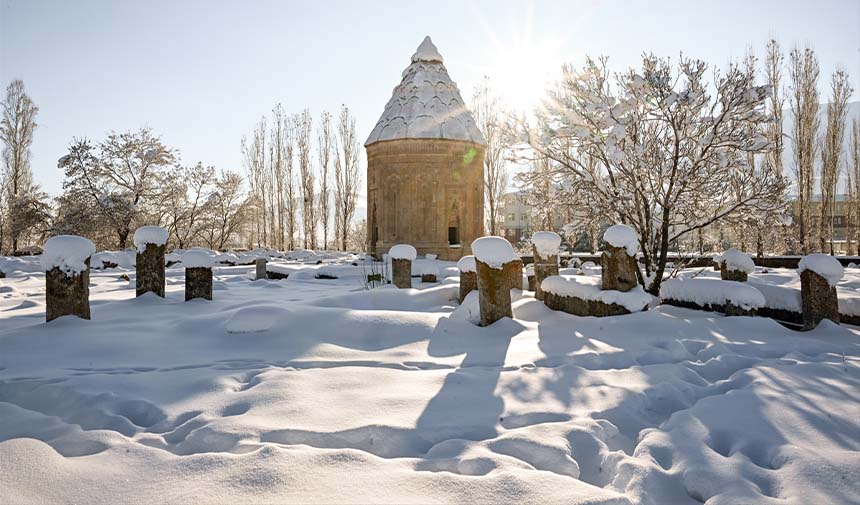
311 389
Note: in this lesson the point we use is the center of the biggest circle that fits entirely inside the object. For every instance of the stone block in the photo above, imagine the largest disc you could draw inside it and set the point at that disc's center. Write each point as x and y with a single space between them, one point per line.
149 265
618 269
198 283
67 295
494 290
401 273
818 299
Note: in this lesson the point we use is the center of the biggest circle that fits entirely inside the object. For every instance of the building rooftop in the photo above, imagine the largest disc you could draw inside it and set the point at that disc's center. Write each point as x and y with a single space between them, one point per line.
426 104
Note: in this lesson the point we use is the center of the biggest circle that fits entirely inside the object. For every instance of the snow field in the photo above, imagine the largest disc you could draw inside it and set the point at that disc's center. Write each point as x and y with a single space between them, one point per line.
337 394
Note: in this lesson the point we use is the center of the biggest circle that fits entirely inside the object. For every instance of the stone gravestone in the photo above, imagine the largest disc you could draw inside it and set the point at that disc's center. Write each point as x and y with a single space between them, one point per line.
260 272
468 276
735 266
66 261
198 275
618 261
545 246
151 243
496 266
515 273
819 274
402 256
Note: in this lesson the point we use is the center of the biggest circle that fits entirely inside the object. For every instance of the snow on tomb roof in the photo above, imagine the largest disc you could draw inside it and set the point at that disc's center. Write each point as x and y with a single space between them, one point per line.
426 104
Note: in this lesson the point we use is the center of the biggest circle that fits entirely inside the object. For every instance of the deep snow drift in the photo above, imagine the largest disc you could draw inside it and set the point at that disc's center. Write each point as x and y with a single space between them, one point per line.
315 389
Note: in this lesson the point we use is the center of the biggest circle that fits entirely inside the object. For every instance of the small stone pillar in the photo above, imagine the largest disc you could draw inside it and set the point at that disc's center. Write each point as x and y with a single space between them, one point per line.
260 272
515 273
401 264
468 276
151 243
66 261
735 265
618 261
545 245
496 266
198 275
819 274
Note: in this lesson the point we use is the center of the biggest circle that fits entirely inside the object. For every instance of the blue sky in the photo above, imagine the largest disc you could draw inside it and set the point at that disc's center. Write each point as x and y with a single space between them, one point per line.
202 73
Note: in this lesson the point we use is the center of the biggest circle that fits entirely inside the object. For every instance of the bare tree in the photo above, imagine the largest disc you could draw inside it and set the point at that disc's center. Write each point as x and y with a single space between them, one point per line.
346 175
226 210
803 71
254 159
303 144
831 151
186 192
669 158
16 132
853 184
488 113
325 146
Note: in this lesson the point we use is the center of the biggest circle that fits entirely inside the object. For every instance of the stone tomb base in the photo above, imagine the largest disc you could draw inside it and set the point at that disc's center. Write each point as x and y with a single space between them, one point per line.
727 308
580 307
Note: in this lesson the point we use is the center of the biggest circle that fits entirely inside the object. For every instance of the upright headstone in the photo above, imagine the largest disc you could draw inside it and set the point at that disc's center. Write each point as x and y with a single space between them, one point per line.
515 273
402 256
618 261
545 245
819 274
496 265
468 276
198 275
736 266
151 242
66 262
260 269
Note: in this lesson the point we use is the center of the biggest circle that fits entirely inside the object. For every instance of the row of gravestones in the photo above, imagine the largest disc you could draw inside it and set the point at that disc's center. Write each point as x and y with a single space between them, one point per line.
67 290
493 279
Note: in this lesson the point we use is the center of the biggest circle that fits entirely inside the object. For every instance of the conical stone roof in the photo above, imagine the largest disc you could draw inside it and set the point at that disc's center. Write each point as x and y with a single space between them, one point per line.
426 104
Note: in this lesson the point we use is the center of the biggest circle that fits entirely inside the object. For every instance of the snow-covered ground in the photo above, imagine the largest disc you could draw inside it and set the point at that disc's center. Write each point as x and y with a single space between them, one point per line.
312 389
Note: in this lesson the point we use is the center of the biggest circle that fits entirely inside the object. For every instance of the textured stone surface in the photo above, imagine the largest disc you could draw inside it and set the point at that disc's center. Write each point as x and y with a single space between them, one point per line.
401 273
428 277
468 283
580 307
198 283
150 270
544 267
494 291
260 272
66 295
533 285
417 189
618 269
727 308
277 276
818 299
514 270
731 275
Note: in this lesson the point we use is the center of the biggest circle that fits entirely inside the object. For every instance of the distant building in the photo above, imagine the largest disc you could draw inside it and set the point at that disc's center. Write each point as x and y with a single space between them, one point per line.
518 217
425 165
840 221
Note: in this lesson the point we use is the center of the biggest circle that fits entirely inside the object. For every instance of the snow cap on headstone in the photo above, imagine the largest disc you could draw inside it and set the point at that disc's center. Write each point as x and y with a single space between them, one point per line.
737 261
68 253
403 252
426 104
155 235
493 251
546 243
621 235
197 259
824 265
466 264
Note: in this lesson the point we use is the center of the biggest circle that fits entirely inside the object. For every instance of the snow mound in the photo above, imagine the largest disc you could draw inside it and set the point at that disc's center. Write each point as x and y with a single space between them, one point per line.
494 251
26 264
403 252
546 243
253 319
621 235
467 264
425 267
68 253
710 291
149 235
824 265
122 259
589 288
737 261
197 259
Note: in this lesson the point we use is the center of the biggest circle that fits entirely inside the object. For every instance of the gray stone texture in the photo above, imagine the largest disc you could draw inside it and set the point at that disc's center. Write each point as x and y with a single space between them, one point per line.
618 269
544 267
494 290
731 275
65 295
260 272
401 273
150 270
468 283
198 283
818 299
